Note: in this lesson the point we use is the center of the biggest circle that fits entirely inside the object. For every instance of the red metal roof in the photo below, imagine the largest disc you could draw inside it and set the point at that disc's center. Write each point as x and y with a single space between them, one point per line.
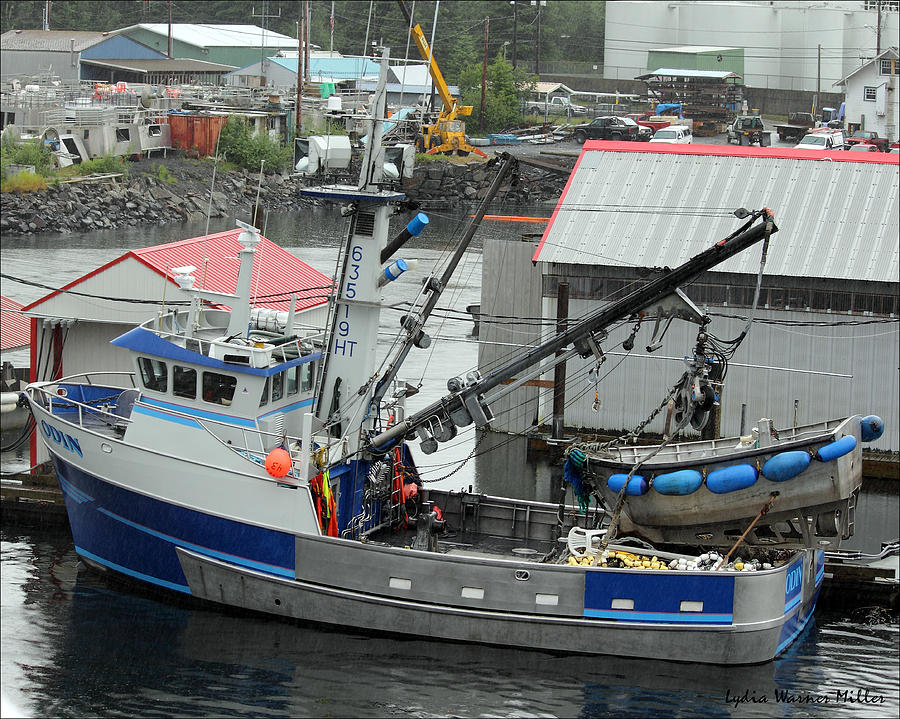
784 153
15 328
276 272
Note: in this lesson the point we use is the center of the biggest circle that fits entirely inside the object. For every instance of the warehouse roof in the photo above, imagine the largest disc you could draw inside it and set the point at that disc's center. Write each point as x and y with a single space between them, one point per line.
207 35
163 64
51 40
694 48
644 205
691 74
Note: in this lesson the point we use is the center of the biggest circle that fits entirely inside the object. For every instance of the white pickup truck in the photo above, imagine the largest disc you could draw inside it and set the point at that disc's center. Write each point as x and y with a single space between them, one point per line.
823 138
554 106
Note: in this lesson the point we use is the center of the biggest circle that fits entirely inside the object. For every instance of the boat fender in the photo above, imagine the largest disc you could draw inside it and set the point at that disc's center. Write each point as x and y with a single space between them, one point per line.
637 487
731 479
786 465
836 449
278 462
871 428
680 483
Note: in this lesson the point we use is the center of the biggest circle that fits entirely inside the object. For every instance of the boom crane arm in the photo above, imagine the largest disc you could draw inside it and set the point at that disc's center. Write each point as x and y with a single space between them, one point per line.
466 404
450 103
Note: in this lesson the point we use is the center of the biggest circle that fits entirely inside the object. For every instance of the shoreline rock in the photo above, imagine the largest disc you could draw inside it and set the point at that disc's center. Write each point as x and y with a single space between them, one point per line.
145 196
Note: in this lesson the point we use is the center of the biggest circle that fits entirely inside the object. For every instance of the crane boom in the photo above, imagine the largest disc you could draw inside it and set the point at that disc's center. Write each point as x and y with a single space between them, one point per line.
467 403
448 129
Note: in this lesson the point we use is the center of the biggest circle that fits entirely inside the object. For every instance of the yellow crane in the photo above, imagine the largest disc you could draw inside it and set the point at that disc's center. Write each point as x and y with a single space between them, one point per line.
448 133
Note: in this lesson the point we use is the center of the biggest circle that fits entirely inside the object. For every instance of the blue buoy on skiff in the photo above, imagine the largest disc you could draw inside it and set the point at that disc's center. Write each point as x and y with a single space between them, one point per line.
786 465
836 449
637 487
731 479
871 428
680 483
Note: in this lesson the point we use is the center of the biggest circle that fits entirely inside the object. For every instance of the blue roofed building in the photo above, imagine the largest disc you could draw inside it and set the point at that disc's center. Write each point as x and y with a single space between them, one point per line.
281 72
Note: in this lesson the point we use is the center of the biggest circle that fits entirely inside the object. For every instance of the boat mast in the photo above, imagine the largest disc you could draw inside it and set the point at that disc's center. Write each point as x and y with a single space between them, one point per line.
350 359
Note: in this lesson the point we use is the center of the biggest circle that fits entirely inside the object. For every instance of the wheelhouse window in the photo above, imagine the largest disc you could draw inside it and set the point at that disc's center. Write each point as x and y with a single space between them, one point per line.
218 388
184 382
154 374
264 397
307 373
293 380
869 94
277 386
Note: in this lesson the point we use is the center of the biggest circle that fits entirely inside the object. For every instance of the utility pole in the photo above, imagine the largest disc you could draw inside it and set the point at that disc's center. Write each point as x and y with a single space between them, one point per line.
515 29
299 107
169 55
46 23
878 28
262 39
818 79
537 68
487 21
306 41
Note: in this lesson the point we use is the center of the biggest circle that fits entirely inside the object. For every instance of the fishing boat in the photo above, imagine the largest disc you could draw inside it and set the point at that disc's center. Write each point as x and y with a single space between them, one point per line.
249 463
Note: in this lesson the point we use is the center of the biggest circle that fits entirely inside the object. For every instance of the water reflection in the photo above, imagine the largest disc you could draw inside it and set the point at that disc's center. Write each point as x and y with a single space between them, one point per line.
75 644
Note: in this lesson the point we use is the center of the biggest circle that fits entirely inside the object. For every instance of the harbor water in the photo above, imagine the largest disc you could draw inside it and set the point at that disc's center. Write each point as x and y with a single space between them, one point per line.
78 644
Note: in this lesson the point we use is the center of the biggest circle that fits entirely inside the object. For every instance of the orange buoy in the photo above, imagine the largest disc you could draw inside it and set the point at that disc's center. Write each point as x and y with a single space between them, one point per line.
278 462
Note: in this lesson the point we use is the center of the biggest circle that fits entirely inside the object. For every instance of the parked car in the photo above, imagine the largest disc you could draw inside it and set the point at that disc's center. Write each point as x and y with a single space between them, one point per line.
675 134
822 138
645 119
869 137
606 128
555 106
749 129
863 147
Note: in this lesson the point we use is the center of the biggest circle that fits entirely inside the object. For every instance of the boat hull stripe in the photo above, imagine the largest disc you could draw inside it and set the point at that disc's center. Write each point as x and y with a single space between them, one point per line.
166 408
132 573
224 556
656 617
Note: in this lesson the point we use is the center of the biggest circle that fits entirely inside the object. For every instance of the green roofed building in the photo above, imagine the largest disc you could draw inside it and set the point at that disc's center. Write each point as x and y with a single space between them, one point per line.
235 45
695 57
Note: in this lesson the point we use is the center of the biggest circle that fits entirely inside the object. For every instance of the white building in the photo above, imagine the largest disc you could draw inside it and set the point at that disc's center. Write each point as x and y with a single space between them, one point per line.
825 340
788 44
873 102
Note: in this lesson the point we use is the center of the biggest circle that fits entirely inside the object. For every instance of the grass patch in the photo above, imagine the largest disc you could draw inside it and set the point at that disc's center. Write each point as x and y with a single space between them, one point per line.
162 172
23 182
102 165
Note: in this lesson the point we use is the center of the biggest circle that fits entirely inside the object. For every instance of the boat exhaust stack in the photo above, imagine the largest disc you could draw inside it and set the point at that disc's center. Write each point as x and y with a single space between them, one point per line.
240 314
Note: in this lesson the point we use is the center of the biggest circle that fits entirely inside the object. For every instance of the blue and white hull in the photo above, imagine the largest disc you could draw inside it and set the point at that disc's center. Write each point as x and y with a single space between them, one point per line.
136 535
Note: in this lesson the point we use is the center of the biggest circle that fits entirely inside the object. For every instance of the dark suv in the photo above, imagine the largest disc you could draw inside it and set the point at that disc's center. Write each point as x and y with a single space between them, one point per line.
607 128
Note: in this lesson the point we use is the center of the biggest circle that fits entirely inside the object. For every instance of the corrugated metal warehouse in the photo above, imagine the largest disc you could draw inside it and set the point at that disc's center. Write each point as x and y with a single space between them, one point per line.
826 337
71 328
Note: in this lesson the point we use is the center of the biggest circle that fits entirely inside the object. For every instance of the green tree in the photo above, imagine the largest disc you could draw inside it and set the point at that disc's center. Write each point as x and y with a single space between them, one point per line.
506 88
